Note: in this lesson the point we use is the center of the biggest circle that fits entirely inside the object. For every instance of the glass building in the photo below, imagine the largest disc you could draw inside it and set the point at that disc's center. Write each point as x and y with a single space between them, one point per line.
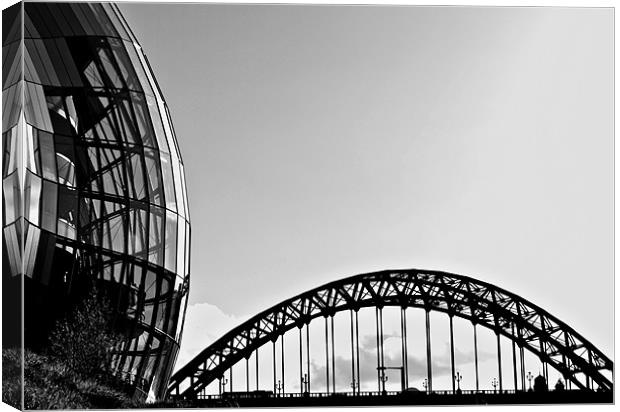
93 184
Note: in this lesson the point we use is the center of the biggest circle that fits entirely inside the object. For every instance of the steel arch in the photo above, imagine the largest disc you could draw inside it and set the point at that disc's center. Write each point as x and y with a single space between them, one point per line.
553 341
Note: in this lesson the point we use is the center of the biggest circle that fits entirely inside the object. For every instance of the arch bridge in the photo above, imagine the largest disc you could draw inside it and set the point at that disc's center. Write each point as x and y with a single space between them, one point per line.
527 326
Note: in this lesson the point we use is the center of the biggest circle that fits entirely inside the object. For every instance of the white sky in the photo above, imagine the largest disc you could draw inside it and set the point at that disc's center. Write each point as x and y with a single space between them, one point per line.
322 142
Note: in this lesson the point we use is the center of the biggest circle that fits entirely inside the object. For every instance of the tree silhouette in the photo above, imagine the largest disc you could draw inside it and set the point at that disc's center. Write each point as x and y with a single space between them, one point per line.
540 384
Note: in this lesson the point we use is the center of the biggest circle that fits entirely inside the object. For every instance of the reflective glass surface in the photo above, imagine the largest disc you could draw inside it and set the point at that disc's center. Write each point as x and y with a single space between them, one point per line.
94 183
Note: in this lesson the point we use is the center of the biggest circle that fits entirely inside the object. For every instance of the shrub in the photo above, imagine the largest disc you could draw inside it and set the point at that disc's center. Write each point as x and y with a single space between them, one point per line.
74 372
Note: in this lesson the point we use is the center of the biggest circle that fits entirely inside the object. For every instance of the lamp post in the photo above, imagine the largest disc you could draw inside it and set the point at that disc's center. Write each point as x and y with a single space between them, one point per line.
529 378
384 379
494 383
355 385
279 387
458 378
304 382
223 383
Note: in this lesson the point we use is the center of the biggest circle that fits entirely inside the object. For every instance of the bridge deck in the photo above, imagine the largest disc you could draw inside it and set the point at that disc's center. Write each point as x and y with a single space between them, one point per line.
396 398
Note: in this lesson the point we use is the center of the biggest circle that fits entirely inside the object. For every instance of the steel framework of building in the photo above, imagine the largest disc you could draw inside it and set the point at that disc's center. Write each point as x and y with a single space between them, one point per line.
525 324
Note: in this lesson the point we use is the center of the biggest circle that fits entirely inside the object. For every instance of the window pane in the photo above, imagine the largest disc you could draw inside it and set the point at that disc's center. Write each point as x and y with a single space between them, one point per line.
170 259
156 235
168 181
49 206
48 159
32 198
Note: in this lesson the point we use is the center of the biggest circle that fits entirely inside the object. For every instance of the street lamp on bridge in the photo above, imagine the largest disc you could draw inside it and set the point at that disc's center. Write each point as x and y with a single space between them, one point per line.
355 385
304 383
384 379
458 378
279 387
529 378
382 369
223 383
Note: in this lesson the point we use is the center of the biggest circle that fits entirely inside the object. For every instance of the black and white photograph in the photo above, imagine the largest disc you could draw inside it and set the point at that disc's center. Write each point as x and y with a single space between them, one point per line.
291 205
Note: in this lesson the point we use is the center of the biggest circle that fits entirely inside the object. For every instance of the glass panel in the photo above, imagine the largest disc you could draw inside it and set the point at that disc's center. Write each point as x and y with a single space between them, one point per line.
156 235
110 70
12 198
163 313
127 70
150 285
11 106
32 198
170 259
158 128
71 19
103 18
67 212
13 245
11 64
178 191
114 233
67 60
151 160
52 62
30 249
187 248
91 72
132 53
136 176
138 233
63 24
168 182
36 108
29 150
143 119
66 170
180 308
10 144
49 206
180 248
85 20
48 159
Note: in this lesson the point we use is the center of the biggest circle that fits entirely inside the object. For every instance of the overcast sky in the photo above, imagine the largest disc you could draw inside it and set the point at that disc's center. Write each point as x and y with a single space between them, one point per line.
325 141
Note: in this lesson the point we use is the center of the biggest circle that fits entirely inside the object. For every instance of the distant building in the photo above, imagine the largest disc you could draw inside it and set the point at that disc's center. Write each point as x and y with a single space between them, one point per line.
93 184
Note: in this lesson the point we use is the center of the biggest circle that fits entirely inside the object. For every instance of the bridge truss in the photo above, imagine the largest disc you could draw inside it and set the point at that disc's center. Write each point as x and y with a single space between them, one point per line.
528 326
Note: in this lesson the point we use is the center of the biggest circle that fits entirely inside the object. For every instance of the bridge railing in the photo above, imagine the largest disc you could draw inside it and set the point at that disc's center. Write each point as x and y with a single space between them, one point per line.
264 394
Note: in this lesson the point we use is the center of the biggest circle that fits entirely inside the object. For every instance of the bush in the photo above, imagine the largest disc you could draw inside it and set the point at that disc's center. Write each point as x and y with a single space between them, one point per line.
12 377
84 340
74 372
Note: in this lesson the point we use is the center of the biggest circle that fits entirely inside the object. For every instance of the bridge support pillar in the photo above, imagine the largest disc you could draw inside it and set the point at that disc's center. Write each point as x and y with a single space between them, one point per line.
476 357
514 357
357 349
326 355
247 374
452 353
275 390
352 354
308 354
301 360
333 356
499 361
521 357
403 321
380 357
282 360
256 368
429 367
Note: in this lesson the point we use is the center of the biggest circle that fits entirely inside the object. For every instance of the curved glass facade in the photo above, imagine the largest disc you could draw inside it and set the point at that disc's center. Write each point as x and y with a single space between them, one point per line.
93 183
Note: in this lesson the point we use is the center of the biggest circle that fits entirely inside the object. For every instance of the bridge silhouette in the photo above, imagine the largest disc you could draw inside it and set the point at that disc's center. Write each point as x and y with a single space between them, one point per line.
585 371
